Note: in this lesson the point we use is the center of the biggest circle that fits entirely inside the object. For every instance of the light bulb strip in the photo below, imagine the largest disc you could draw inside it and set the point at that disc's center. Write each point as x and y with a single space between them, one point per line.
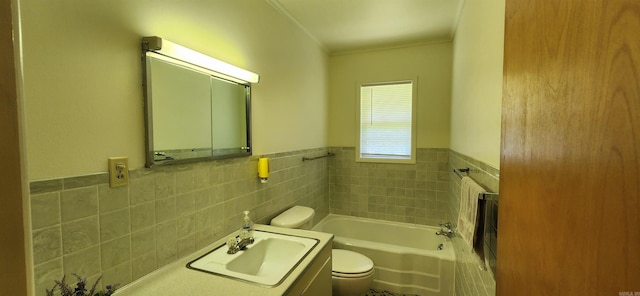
170 49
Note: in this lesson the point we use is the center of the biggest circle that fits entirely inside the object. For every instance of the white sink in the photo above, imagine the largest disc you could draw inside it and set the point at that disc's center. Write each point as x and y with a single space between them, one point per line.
267 261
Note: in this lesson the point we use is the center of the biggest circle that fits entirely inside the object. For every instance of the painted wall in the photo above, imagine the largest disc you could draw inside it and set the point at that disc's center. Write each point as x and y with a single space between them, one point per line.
82 76
476 95
432 65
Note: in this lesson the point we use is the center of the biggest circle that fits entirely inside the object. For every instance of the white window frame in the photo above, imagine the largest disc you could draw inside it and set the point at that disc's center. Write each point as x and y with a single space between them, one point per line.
414 104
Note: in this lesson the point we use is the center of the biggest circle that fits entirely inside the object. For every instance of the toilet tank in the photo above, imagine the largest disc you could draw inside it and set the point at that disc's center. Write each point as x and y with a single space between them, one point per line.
295 217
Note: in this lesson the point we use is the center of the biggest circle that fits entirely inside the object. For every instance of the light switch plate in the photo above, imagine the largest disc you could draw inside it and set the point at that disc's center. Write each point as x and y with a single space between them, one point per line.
118 171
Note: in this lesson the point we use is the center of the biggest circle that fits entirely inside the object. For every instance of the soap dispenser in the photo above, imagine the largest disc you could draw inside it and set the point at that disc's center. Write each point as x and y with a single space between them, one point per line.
248 224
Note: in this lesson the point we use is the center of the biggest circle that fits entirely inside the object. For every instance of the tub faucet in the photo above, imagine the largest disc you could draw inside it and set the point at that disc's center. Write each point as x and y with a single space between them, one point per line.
448 232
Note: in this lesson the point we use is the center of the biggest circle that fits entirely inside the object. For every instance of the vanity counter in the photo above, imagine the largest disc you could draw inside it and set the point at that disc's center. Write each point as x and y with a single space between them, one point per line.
177 279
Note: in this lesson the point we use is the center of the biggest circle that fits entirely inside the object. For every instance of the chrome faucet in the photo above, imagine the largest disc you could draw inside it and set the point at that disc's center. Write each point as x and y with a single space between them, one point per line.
239 243
448 232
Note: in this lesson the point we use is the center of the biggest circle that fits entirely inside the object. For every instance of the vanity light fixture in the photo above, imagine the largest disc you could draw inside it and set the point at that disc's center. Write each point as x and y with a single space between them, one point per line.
167 48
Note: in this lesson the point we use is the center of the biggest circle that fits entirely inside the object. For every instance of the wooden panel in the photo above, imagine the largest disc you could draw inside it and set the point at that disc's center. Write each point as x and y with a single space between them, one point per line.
12 255
569 217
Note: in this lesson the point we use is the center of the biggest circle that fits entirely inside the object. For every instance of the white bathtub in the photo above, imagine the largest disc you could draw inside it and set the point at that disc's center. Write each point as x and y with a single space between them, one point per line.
406 256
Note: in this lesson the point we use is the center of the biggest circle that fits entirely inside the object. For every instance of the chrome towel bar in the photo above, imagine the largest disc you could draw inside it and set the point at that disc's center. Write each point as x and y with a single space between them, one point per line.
304 158
483 195
460 171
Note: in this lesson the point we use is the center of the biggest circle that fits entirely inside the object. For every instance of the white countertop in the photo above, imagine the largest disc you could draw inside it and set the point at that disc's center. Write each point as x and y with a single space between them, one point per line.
176 279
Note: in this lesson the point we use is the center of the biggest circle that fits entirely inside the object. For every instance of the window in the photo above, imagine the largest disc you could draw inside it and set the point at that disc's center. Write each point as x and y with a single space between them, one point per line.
387 125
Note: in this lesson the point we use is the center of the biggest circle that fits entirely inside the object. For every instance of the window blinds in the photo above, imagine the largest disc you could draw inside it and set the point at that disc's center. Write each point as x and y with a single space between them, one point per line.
385 120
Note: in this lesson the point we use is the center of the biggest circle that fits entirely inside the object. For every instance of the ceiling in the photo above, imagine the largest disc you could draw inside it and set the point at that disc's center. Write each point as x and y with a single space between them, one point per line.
355 25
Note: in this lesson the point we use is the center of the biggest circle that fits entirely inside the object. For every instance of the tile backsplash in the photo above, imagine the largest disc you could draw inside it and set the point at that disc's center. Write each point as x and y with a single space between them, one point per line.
412 193
81 225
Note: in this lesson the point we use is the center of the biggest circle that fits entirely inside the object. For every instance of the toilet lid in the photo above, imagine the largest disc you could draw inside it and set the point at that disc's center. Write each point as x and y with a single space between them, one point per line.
346 262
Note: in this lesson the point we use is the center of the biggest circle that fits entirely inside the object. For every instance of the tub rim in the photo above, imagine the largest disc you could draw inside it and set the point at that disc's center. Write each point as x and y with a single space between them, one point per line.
448 254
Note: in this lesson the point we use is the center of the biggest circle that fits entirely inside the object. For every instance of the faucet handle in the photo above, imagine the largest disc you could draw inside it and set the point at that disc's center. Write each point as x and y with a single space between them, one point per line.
447 225
232 242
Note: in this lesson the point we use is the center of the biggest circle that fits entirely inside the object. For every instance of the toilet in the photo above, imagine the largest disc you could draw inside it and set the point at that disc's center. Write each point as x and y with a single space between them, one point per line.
352 273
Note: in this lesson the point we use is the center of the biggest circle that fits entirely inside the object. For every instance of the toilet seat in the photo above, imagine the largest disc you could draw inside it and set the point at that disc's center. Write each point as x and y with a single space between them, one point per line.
351 275
349 264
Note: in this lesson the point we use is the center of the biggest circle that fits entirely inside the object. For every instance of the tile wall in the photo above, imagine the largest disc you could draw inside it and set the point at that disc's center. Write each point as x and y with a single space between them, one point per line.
411 193
81 225
471 280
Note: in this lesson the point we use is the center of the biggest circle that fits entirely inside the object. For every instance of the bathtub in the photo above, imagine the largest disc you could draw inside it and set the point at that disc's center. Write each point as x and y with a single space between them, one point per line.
406 256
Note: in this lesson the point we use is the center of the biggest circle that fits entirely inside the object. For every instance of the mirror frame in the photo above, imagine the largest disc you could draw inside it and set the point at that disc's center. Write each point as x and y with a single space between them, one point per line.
155 44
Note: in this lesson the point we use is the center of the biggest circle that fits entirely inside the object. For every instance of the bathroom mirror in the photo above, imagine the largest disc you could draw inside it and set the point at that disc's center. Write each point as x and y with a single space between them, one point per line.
192 113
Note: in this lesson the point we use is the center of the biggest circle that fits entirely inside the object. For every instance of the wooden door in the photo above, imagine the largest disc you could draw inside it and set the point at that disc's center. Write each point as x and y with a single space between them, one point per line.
569 217
13 269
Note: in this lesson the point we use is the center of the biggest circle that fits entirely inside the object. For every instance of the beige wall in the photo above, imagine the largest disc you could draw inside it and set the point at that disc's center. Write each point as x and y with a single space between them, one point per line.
82 76
477 81
432 65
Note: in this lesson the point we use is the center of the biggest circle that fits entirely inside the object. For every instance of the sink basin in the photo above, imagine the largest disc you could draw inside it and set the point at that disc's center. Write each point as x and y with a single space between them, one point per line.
267 261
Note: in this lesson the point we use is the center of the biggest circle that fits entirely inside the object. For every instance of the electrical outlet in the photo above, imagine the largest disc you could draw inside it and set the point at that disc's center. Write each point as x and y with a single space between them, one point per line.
118 171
